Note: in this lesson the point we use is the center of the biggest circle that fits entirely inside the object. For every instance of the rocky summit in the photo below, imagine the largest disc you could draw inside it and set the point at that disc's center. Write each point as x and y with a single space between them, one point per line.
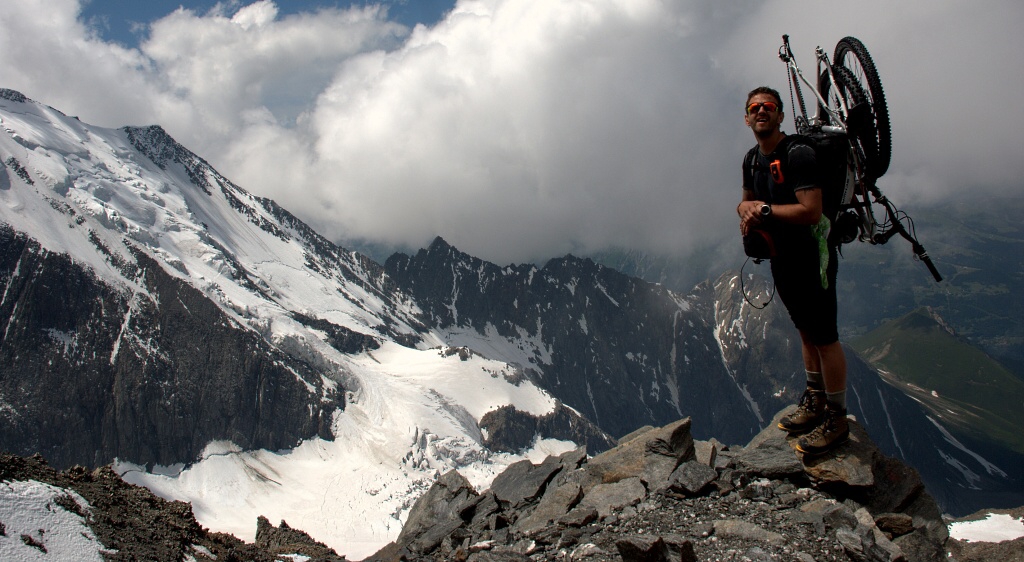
660 495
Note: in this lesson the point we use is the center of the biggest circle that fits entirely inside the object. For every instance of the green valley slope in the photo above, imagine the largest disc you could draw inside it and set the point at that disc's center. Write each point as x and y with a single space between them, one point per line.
961 385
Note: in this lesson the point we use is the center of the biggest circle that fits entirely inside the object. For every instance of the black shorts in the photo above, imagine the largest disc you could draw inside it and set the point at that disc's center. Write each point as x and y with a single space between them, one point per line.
813 308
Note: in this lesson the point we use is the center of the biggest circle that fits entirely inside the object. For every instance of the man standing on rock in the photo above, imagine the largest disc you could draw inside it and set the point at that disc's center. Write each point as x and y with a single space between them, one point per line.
782 197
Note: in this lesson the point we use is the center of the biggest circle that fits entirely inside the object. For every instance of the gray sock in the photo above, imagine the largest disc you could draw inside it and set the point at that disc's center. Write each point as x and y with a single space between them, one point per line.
837 399
815 380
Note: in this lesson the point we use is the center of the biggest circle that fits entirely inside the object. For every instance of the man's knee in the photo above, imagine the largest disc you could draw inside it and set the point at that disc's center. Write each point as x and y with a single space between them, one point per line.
820 337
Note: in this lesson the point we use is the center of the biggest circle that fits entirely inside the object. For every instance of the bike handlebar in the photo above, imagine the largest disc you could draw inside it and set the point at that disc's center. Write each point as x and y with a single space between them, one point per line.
916 246
898 228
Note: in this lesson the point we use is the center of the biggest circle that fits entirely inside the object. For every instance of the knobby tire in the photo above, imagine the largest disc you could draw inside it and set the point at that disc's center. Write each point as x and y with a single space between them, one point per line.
853 94
852 55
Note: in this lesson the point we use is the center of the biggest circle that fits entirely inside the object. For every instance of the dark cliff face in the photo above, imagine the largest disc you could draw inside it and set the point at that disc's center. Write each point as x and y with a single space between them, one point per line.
99 372
623 352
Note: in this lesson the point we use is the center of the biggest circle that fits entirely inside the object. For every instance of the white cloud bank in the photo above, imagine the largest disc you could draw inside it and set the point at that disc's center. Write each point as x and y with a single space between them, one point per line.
525 129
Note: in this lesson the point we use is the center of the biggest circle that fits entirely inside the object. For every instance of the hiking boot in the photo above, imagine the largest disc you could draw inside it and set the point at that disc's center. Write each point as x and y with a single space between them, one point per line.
808 413
833 431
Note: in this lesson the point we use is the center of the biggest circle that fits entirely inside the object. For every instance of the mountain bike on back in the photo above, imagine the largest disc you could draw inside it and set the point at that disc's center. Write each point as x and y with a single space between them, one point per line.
850 129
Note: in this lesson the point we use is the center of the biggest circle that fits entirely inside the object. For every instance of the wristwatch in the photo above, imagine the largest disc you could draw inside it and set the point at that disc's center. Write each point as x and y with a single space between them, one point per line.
766 210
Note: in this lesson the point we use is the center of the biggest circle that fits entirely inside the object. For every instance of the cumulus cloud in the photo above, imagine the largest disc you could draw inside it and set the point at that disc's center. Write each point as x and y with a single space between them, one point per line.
525 129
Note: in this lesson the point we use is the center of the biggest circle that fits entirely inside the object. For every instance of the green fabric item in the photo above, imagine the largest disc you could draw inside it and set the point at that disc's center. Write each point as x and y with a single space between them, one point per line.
820 233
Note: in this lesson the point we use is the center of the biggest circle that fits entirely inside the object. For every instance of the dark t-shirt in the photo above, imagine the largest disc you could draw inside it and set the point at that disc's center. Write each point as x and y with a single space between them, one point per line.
800 172
797 269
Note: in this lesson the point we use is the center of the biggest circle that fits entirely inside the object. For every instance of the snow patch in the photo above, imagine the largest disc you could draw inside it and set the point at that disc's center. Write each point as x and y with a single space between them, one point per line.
604 290
43 522
991 468
995 527
752 404
889 424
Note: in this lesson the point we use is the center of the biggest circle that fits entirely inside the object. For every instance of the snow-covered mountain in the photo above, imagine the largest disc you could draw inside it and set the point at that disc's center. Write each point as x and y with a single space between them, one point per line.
158 314
227 355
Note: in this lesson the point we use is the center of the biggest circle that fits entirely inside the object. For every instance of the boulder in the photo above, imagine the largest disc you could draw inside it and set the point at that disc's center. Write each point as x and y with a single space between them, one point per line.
691 478
748 531
851 463
651 456
895 524
607 498
858 470
555 505
579 516
769 454
524 481
706 452
651 548
437 513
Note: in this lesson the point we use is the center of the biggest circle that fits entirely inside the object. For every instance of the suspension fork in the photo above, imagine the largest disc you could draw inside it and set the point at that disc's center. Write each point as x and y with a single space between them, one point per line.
786 54
796 76
862 205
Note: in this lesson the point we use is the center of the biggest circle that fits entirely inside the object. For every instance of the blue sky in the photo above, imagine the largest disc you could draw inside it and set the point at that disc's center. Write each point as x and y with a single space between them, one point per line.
123 20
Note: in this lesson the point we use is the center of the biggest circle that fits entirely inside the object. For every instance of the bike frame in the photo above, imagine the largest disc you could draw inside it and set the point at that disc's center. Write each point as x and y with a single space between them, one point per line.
804 124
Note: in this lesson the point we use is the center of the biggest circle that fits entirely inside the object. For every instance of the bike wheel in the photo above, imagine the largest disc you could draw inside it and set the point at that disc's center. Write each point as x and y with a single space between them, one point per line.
852 55
858 121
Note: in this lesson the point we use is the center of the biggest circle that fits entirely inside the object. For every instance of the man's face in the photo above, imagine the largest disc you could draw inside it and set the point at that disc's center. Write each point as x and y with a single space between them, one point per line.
763 122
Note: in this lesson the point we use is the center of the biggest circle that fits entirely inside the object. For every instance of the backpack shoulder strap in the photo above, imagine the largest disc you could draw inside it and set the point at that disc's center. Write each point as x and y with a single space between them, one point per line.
786 144
748 160
782 149
750 164
748 167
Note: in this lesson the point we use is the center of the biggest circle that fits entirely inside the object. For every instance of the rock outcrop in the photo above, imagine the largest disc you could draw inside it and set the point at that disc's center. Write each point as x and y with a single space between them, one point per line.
660 495
625 353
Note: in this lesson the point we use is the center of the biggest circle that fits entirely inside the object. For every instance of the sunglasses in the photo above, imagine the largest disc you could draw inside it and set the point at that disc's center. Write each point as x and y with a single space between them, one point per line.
755 108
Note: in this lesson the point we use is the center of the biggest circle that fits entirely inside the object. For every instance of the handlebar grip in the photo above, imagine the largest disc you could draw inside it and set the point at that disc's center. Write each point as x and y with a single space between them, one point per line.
931 266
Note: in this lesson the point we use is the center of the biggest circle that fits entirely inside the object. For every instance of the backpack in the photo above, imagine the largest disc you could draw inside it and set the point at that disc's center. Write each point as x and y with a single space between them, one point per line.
831 151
